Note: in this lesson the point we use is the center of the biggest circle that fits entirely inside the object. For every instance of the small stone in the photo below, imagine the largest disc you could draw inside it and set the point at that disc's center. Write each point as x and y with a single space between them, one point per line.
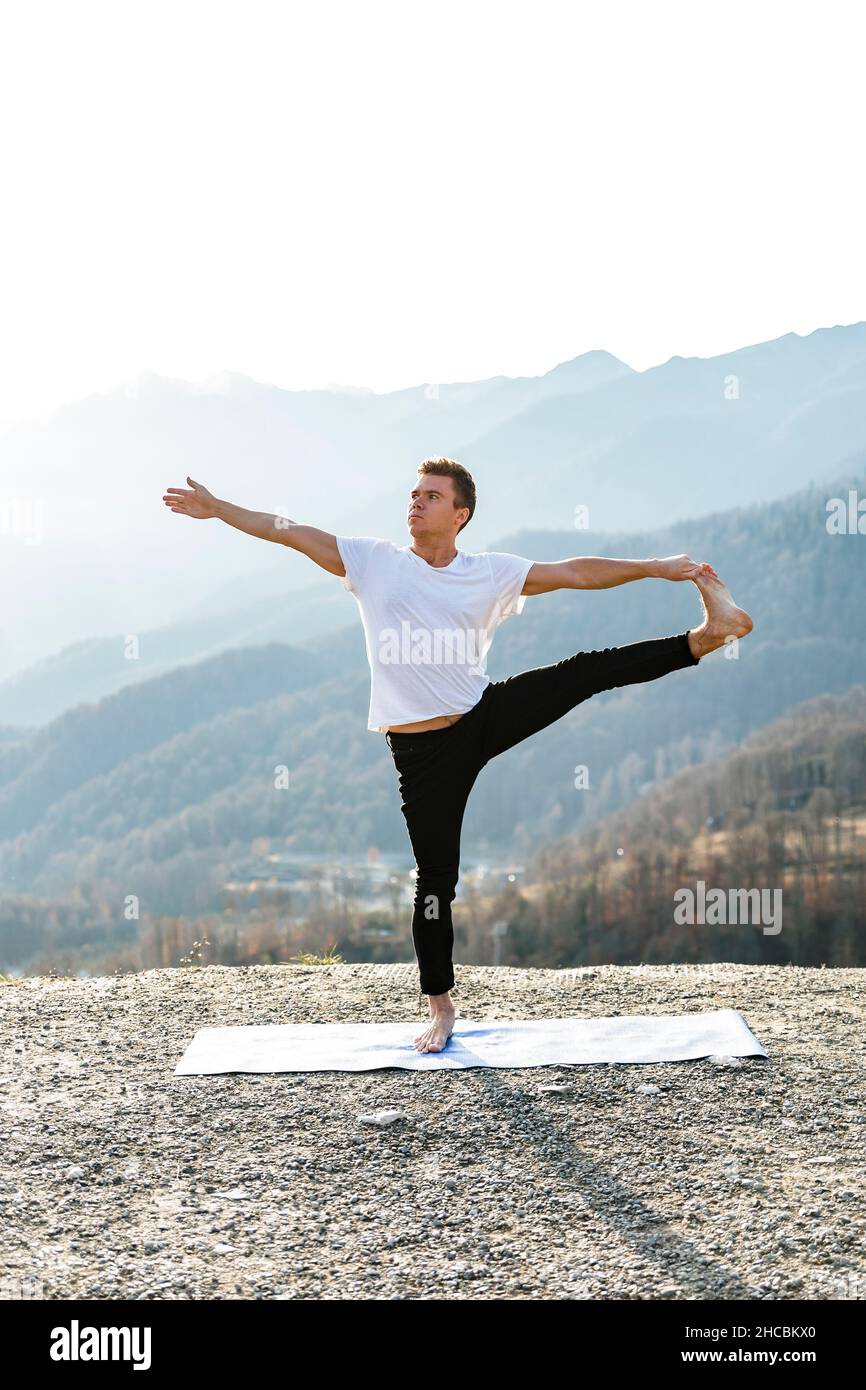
382 1118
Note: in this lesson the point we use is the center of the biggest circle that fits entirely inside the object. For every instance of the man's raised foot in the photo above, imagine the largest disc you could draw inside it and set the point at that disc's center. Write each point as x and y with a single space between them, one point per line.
723 619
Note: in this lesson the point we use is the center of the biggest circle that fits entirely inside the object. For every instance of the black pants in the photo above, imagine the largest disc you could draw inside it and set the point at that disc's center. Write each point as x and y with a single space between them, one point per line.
437 769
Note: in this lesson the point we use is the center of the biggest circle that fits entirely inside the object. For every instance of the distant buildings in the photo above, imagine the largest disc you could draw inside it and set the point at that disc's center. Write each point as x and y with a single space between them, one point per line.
380 882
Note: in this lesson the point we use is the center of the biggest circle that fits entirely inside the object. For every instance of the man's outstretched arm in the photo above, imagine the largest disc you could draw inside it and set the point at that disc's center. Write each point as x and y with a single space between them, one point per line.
319 546
596 572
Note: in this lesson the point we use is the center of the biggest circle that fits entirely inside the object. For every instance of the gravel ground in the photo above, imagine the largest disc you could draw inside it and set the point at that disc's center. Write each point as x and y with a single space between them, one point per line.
120 1180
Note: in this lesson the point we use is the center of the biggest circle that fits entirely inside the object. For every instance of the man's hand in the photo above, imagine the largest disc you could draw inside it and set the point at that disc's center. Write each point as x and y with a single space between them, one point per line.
198 503
681 567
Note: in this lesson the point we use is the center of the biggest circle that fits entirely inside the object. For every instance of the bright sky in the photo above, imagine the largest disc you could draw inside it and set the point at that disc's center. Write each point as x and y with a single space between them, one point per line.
383 194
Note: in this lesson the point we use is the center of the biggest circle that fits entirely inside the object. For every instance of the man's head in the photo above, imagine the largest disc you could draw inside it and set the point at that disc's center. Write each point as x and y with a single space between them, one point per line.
442 501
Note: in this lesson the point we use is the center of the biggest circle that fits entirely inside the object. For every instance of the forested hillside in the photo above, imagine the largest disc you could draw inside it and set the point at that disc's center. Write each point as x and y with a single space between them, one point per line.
785 813
779 822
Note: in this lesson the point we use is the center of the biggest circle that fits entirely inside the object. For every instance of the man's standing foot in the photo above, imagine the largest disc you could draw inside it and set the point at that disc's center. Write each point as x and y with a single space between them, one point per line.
434 1037
722 618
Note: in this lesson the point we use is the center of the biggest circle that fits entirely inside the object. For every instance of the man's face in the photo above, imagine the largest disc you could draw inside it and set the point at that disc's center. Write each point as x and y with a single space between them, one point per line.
432 512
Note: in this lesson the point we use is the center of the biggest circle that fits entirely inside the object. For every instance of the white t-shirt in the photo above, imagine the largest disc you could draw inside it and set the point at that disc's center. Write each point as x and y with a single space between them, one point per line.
428 629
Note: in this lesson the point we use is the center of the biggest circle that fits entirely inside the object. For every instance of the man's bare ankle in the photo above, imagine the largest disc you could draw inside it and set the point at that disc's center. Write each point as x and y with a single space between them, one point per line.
696 646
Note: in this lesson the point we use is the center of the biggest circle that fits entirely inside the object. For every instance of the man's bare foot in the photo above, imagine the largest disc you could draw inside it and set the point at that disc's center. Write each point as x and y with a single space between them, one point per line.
434 1038
722 618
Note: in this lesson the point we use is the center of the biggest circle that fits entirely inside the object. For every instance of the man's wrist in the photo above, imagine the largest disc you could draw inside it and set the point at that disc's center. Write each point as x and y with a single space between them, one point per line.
653 569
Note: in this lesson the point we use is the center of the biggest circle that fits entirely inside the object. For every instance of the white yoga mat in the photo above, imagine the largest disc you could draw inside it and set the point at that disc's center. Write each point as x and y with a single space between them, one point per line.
544 1042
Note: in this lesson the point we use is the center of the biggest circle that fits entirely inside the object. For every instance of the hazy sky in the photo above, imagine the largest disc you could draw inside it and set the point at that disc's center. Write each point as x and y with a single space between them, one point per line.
384 194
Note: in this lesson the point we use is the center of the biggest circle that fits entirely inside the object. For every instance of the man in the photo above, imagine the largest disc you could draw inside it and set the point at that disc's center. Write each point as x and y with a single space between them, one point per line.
429 612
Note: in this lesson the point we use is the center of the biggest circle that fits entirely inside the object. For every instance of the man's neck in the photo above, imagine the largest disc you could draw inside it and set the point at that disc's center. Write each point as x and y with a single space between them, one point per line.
436 554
